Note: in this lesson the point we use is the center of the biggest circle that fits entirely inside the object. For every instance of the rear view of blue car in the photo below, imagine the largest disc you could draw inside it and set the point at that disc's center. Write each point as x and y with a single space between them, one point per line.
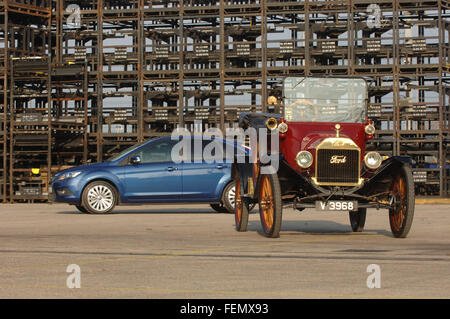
146 173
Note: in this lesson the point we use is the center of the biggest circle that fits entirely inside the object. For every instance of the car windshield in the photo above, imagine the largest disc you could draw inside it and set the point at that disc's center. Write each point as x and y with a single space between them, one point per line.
315 99
129 149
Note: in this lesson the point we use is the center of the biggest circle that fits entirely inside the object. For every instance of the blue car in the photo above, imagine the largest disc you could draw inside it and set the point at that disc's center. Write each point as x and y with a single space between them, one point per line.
145 173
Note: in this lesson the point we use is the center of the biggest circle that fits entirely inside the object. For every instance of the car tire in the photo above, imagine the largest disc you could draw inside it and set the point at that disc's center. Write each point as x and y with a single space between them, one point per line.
358 219
229 198
270 205
219 208
402 214
82 209
99 197
240 210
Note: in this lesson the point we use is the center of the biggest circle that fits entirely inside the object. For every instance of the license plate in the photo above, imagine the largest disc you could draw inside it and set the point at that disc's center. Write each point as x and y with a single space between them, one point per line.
337 205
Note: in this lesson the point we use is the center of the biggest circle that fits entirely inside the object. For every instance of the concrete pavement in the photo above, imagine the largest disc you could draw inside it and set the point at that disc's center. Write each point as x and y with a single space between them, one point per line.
189 251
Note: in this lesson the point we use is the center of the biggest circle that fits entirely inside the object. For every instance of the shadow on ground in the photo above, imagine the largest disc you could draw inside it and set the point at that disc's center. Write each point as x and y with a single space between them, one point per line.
314 227
149 211
289 227
156 211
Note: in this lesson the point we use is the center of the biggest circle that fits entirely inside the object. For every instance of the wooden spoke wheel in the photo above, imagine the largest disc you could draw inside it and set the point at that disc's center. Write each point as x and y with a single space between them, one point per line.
402 212
270 206
358 219
240 208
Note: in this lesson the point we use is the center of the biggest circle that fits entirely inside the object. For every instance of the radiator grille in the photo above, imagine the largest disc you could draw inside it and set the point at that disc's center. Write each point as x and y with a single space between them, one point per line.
331 167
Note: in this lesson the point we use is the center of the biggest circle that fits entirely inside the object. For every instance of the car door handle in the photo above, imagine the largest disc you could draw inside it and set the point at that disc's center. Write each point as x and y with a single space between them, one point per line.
171 169
220 166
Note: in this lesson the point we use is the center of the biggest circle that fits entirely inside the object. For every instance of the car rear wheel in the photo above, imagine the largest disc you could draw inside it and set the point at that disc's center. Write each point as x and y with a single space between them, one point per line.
358 219
240 209
402 212
219 208
229 199
270 205
99 198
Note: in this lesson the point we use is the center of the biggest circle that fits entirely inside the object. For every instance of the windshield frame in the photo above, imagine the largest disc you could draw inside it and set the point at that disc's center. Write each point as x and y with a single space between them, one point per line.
303 78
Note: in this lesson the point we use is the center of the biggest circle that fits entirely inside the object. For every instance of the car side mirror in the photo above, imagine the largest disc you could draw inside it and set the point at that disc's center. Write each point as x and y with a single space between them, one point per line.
135 160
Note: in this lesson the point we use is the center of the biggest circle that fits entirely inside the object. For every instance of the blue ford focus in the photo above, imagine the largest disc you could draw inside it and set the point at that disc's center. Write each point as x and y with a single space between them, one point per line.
145 173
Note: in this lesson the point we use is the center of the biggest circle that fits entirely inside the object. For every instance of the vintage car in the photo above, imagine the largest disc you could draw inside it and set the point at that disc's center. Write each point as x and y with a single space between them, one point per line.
323 163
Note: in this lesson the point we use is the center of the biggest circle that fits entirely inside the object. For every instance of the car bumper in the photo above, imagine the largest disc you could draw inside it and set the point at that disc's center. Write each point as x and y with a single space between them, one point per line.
360 204
64 192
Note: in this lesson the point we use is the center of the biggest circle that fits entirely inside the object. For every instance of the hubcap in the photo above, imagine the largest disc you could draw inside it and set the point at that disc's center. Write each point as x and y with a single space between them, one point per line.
100 198
231 196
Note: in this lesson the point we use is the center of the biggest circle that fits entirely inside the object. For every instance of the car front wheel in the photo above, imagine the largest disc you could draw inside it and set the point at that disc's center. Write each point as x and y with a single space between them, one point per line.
402 212
270 205
99 198
240 209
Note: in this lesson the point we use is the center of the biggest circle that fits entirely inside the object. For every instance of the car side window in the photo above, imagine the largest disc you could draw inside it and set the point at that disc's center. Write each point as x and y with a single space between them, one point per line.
158 152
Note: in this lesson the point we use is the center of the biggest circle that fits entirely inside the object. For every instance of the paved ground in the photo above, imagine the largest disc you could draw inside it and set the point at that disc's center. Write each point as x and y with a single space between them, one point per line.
192 252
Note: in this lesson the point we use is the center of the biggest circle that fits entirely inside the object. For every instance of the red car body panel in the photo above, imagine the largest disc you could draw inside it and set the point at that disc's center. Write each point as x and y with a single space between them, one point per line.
306 136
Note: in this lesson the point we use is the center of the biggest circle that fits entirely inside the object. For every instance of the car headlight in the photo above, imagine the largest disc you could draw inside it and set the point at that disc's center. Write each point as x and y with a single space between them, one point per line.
68 175
304 159
282 127
373 160
370 129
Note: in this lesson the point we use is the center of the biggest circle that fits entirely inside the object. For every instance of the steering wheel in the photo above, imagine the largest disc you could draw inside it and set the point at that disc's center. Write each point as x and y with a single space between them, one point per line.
304 109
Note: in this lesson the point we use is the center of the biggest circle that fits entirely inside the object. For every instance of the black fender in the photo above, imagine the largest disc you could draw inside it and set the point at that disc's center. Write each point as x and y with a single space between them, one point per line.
246 175
383 176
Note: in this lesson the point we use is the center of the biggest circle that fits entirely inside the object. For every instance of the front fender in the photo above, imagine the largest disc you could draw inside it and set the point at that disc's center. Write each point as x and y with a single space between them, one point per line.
105 176
381 178
390 166
246 174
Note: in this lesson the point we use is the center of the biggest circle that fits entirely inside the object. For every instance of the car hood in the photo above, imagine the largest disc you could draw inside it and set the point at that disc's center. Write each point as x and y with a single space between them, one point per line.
88 167
307 136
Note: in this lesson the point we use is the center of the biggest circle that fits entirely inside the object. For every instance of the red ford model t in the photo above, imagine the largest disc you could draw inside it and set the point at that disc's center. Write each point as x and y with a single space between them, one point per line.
323 162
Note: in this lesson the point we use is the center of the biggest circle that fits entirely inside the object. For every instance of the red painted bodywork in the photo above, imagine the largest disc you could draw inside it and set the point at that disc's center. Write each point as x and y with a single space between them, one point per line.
306 136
